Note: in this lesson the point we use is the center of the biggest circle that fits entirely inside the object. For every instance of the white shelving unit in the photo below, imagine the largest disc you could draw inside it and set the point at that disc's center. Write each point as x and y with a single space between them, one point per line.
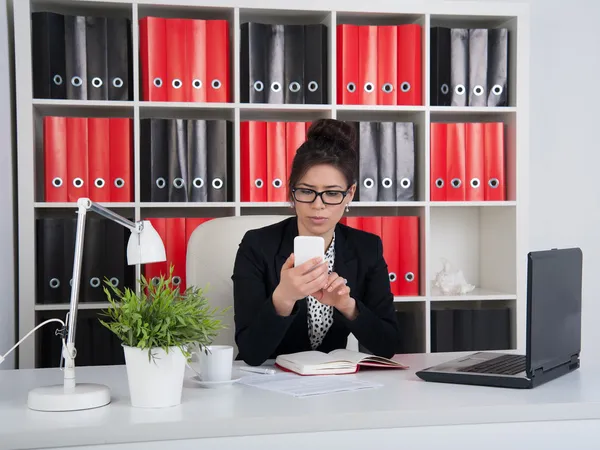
488 240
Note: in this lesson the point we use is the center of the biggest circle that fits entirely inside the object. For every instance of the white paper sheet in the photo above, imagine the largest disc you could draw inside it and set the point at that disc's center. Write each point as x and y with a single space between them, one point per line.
299 386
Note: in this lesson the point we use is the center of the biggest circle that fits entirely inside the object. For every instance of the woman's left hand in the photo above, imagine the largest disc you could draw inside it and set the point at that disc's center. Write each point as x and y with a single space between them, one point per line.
337 294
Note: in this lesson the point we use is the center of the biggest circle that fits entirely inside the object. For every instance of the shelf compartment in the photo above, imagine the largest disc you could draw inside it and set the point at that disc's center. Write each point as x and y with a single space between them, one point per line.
285 18
484 22
419 130
375 221
472 326
479 241
58 161
510 157
185 13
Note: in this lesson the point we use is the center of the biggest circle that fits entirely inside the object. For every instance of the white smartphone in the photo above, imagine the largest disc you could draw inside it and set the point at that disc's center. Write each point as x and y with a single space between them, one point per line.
308 247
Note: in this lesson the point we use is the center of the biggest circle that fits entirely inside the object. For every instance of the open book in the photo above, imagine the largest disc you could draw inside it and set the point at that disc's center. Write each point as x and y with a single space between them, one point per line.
335 362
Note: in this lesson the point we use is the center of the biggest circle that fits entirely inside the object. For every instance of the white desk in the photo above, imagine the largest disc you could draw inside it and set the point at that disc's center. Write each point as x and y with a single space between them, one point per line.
406 413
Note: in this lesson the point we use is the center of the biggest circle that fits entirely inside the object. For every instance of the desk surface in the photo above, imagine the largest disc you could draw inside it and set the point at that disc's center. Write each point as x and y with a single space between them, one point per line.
403 401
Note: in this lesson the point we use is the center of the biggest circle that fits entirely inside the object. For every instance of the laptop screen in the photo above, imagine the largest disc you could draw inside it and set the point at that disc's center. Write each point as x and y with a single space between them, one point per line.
553 307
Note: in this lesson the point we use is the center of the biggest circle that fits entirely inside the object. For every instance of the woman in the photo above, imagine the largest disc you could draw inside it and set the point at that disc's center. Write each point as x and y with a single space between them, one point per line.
281 309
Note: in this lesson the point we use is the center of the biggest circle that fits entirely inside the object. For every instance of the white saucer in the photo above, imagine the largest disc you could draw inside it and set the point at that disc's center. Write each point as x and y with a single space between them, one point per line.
213 384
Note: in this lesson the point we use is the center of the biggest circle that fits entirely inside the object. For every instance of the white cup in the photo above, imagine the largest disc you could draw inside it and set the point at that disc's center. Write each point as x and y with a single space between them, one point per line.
214 363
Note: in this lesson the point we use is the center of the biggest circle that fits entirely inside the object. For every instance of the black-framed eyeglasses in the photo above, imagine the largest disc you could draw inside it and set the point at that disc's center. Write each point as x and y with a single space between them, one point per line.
329 197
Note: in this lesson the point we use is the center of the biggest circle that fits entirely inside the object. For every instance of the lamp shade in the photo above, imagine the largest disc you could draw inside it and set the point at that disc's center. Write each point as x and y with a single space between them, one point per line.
146 246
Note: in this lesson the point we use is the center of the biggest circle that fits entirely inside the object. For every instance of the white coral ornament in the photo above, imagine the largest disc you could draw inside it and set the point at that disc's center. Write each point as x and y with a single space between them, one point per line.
452 281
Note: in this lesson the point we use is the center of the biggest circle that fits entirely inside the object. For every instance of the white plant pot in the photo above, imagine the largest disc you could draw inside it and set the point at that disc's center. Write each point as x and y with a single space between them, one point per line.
154 383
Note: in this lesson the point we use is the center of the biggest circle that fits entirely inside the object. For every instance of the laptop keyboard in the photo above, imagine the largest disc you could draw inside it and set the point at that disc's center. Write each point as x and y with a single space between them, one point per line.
502 365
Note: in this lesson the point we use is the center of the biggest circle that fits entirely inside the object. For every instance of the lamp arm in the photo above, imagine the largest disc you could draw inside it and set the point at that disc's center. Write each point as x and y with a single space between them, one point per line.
88 205
83 206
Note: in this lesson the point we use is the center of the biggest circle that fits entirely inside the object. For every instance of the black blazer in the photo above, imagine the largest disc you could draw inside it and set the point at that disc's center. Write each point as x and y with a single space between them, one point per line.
262 334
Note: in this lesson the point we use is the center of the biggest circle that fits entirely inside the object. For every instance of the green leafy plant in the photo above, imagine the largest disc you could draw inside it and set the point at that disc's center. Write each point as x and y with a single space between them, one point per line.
162 316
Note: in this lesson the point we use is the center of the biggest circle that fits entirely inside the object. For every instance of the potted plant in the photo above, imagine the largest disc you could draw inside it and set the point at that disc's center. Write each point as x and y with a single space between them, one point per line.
158 329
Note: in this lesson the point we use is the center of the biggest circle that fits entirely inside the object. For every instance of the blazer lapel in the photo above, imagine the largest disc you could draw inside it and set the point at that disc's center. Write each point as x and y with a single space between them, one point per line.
287 246
346 263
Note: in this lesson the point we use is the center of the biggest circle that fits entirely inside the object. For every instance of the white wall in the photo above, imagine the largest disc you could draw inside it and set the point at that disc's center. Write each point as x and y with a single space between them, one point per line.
565 141
7 251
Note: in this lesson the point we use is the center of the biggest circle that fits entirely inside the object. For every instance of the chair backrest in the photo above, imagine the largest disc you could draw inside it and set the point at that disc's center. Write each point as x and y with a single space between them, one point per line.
211 252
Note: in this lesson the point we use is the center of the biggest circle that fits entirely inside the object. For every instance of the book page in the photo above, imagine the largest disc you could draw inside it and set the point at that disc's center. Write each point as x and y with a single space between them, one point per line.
309 358
347 355
365 359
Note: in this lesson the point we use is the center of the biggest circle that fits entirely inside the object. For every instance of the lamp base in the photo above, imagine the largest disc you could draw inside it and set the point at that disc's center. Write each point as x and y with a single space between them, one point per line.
54 398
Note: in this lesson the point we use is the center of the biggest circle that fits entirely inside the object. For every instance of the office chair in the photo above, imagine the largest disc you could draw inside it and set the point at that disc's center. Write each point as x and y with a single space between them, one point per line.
211 252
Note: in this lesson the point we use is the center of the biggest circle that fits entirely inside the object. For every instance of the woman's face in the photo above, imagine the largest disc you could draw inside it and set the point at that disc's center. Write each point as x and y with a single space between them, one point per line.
318 218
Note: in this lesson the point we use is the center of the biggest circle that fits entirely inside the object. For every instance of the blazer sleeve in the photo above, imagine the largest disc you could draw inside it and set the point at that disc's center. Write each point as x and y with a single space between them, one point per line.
258 327
376 326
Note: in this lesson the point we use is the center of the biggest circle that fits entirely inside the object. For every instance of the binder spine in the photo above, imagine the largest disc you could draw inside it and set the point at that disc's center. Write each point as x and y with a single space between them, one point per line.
75 57
196 47
218 66
405 162
121 171
459 66
177 83
275 64
197 151
475 152
478 64
387 62
119 56
115 255
50 270
177 148
96 58
497 67
440 83
55 159
294 61
410 65
348 64
438 176
315 64
368 162
218 134
99 158
253 62
455 162
48 55
77 158
367 64
153 58
276 162
386 191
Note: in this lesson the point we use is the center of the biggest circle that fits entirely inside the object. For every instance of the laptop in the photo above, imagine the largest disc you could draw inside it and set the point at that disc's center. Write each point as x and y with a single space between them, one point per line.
553 330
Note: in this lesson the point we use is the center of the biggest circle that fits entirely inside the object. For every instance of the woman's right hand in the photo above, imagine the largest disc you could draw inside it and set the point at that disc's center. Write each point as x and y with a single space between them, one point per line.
297 282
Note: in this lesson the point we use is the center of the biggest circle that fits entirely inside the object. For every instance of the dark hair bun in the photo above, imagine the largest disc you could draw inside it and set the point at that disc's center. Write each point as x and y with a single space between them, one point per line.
335 131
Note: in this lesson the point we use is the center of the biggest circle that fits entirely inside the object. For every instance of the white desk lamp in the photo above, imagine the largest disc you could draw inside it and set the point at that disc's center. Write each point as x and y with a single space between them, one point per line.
144 246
